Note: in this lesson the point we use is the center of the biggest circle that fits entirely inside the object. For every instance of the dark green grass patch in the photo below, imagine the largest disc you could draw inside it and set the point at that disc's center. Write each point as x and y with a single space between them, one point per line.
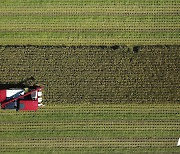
113 74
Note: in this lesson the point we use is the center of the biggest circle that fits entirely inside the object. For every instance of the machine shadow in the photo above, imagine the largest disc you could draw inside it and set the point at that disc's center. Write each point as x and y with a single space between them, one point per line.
22 84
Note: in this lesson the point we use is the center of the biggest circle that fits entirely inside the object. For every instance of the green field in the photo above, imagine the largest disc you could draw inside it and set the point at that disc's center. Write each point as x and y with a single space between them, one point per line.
110 71
87 128
85 22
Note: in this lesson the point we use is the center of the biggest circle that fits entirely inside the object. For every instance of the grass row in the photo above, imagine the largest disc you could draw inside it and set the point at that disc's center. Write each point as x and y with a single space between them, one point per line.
88 38
87 2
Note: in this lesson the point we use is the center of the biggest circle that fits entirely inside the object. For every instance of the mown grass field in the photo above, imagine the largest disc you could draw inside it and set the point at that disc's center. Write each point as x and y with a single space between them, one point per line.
85 22
106 88
88 128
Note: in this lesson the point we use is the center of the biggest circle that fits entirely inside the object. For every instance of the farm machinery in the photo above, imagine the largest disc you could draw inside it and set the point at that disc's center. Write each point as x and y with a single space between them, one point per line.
26 99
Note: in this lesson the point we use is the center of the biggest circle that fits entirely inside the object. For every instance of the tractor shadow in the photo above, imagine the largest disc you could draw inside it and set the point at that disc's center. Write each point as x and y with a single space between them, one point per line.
22 84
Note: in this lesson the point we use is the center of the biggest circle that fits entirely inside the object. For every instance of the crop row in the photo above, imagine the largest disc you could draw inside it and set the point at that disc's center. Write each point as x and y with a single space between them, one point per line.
96 74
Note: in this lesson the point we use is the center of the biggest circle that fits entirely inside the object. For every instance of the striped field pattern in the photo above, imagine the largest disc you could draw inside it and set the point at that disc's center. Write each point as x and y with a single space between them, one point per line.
110 71
87 22
87 128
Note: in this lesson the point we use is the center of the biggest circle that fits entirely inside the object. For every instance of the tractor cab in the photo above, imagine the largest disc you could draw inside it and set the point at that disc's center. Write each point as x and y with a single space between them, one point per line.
27 99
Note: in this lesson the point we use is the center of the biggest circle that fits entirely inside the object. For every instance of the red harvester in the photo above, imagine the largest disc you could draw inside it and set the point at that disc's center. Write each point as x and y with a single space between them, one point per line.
27 99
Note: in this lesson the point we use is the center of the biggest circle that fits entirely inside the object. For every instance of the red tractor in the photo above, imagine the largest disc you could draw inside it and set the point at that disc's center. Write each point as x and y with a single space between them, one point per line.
27 99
